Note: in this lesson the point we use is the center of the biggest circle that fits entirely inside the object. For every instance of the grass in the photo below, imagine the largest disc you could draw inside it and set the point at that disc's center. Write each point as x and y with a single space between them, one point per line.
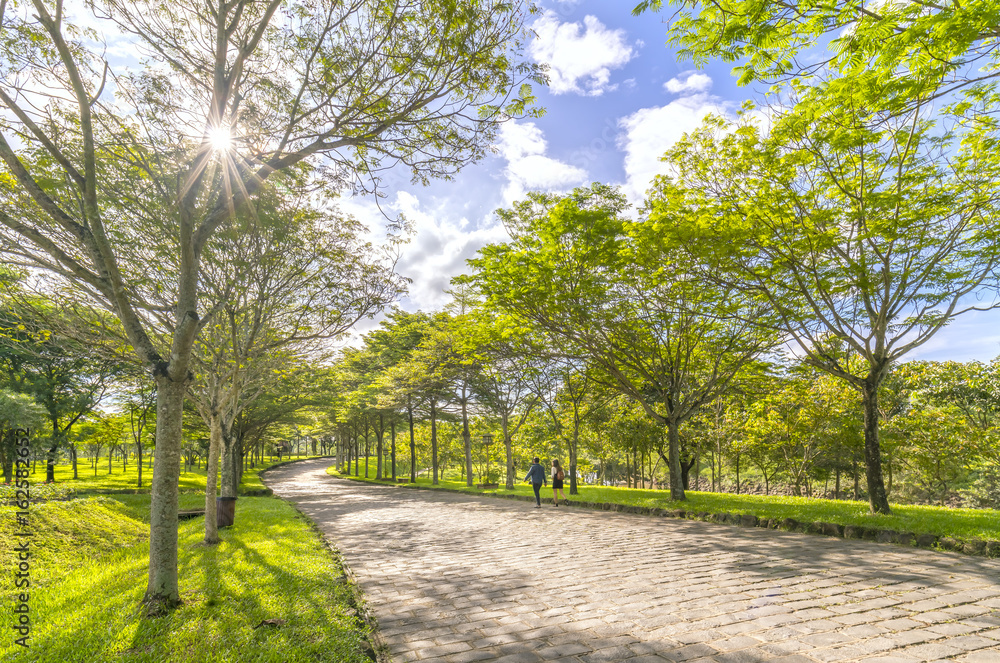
958 523
127 480
89 569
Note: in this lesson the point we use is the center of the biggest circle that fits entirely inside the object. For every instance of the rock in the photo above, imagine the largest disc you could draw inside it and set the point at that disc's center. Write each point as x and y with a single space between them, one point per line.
832 529
853 532
905 538
748 520
789 524
885 535
926 540
974 547
993 548
950 543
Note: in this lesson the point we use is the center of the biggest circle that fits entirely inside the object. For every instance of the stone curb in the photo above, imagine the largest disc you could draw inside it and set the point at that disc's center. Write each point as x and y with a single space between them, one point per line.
974 547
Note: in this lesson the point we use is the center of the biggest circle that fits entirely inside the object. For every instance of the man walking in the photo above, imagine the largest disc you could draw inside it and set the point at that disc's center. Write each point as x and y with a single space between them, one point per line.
536 474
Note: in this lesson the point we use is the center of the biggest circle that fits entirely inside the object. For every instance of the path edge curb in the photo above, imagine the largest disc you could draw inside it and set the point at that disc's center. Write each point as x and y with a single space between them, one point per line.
376 644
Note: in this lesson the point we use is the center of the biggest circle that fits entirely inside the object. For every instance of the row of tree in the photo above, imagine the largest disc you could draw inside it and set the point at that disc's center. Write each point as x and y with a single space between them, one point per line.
429 392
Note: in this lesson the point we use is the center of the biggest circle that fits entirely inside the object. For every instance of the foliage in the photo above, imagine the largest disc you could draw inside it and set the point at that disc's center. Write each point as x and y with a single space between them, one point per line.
909 50
611 293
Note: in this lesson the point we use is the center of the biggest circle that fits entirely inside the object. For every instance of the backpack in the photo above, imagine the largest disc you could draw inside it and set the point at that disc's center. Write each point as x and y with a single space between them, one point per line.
560 475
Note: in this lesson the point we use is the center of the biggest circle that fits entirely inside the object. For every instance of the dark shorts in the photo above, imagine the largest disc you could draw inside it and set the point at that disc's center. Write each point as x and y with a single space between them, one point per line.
557 483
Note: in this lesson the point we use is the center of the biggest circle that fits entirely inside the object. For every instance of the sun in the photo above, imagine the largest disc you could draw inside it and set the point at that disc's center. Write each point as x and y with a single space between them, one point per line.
221 139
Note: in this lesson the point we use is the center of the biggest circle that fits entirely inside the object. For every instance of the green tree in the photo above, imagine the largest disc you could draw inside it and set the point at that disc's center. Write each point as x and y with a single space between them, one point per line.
908 49
621 300
101 187
863 234
17 412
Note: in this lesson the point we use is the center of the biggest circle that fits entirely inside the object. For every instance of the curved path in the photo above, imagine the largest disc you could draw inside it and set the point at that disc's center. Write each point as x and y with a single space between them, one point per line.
454 577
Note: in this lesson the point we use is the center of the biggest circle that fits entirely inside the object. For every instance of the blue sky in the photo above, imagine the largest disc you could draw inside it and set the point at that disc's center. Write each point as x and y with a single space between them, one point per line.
618 98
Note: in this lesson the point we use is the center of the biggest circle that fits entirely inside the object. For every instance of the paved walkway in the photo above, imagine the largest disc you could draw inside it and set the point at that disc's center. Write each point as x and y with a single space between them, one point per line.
455 578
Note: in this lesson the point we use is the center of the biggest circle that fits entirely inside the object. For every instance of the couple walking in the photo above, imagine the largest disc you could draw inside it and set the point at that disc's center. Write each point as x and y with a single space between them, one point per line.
537 477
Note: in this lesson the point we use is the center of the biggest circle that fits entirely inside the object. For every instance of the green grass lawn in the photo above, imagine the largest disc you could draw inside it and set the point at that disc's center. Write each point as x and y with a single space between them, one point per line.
127 480
89 570
959 523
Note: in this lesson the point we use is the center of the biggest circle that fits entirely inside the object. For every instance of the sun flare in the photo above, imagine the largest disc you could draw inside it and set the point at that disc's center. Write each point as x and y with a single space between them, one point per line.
221 139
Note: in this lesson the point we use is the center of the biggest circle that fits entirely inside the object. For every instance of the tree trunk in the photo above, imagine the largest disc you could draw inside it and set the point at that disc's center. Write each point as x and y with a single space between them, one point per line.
50 460
413 444
628 471
9 444
138 455
434 442
211 478
466 437
230 461
878 500
392 450
161 590
379 434
674 460
738 476
573 446
368 447
509 448
686 472
72 452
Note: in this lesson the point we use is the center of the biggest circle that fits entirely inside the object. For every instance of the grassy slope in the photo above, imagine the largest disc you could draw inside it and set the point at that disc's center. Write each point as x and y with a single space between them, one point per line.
128 480
270 565
960 523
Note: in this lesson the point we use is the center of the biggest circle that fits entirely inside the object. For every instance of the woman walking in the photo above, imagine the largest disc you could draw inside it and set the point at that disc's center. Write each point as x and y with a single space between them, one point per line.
536 473
557 483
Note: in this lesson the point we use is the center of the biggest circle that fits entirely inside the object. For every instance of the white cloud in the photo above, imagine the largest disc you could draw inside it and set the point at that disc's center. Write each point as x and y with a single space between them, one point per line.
528 169
441 243
580 57
649 132
689 82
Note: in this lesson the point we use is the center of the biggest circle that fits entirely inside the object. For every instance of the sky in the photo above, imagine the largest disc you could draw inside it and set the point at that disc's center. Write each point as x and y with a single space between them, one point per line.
617 99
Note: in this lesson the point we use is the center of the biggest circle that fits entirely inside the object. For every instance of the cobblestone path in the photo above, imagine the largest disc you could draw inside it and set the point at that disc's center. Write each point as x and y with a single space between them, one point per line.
455 578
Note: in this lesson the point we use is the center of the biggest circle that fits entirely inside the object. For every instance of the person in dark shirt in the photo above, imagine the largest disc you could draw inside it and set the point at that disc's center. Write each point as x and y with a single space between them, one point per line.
557 483
536 474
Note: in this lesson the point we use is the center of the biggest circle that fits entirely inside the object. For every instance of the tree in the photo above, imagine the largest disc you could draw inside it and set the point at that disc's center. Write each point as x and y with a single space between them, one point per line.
863 234
38 356
139 403
503 382
622 301
562 383
906 48
398 338
17 411
103 186
284 278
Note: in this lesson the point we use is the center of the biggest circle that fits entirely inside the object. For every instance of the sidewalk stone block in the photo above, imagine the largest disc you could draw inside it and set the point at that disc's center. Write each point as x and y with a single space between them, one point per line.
459 578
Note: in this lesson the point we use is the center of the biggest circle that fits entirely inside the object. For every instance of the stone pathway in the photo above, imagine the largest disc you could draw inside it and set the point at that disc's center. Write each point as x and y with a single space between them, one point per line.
456 578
